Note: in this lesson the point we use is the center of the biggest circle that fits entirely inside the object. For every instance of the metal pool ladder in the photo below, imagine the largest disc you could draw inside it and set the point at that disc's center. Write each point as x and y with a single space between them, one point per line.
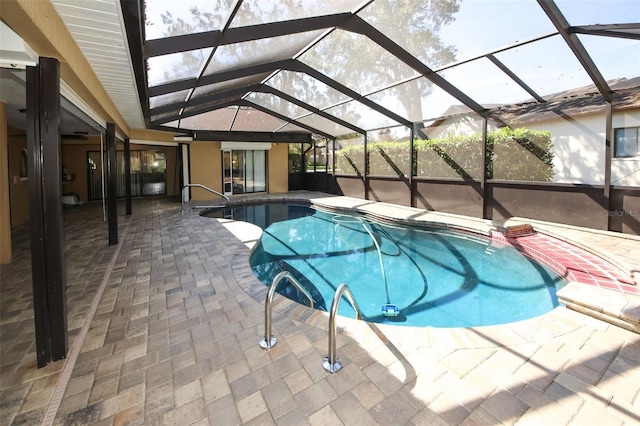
331 363
269 341
198 185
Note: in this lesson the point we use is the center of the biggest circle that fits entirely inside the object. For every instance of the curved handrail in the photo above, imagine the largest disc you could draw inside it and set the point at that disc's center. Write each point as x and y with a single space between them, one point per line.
198 185
269 341
375 243
330 362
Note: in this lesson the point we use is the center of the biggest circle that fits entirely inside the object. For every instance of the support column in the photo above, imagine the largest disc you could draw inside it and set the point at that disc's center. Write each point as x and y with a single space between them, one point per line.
412 168
45 211
608 134
127 176
365 174
112 184
483 178
5 206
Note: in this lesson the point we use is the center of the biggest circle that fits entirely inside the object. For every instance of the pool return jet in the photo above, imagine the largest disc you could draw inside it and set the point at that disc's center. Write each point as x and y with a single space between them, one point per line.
388 309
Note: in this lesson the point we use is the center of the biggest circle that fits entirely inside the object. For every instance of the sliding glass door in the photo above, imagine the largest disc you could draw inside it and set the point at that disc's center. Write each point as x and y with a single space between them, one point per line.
244 171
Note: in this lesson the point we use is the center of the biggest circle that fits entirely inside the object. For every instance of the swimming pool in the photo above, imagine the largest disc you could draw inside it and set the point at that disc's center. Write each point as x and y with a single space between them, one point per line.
434 277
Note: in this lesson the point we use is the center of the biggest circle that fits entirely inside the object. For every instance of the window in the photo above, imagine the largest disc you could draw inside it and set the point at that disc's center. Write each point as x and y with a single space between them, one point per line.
626 142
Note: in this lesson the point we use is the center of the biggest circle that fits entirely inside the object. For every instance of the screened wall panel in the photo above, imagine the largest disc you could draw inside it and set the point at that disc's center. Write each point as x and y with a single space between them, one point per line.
306 88
389 152
356 61
547 66
239 55
489 85
450 149
418 99
350 155
277 104
176 66
228 85
164 19
361 115
248 120
254 12
169 98
325 125
220 119
610 53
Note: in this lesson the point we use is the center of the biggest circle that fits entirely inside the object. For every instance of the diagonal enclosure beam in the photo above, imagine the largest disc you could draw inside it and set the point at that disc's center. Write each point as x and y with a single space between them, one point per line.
574 43
360 26
514 77
284 118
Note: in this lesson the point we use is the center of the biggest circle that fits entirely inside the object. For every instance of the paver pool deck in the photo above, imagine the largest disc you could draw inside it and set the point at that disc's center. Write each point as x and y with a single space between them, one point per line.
164 329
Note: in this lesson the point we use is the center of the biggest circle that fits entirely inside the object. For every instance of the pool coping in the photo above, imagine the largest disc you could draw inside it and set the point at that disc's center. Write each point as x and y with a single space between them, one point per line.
620 309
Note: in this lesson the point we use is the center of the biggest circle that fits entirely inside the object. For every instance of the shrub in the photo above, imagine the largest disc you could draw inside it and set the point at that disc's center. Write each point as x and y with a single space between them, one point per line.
512 154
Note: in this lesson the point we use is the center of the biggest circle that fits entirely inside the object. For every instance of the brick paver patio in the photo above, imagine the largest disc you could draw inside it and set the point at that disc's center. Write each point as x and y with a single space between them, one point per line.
174 341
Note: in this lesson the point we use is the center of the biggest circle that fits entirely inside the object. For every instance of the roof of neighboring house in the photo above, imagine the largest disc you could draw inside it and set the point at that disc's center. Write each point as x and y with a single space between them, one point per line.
571 103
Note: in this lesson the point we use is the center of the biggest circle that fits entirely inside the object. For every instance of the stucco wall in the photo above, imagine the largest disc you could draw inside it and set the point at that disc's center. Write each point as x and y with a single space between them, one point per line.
578 148
279 168
205 161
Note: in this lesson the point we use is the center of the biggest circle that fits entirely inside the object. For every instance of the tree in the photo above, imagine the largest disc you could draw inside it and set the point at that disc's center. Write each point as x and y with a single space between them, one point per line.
347 57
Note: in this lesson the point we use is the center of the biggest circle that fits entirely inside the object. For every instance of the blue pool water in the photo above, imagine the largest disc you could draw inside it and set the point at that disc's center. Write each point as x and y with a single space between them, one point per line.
435 278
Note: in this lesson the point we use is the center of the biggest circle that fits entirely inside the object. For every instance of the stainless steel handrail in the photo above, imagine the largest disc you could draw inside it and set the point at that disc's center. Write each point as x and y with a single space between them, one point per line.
269 341
199 185
331 363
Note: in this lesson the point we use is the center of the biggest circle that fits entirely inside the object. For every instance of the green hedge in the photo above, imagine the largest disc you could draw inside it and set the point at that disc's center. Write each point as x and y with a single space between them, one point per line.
512 154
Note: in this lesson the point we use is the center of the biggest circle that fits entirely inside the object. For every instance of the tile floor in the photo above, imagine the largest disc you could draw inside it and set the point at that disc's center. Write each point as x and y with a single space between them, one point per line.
174 341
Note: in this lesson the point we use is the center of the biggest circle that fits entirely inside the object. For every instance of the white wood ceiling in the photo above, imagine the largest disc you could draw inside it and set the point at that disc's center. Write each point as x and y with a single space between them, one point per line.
98 29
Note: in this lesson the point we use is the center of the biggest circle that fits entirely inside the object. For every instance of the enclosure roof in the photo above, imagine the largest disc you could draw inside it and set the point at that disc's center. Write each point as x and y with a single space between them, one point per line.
287 69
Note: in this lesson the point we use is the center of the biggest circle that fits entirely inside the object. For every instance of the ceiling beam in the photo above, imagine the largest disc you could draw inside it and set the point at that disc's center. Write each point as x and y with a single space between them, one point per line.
237 136
238 92
186 42
614 30
218 77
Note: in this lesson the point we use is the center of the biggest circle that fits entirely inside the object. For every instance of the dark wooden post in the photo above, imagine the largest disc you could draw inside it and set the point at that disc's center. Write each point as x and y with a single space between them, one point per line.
112 184
607 160
127 176
483 178
45 211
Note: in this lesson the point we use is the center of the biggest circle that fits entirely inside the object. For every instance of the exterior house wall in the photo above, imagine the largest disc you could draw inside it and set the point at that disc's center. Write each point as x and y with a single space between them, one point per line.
205 160
626 171
278 180
578 146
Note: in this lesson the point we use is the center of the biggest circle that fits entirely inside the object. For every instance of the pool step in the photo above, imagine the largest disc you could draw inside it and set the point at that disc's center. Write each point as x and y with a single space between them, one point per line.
615 307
